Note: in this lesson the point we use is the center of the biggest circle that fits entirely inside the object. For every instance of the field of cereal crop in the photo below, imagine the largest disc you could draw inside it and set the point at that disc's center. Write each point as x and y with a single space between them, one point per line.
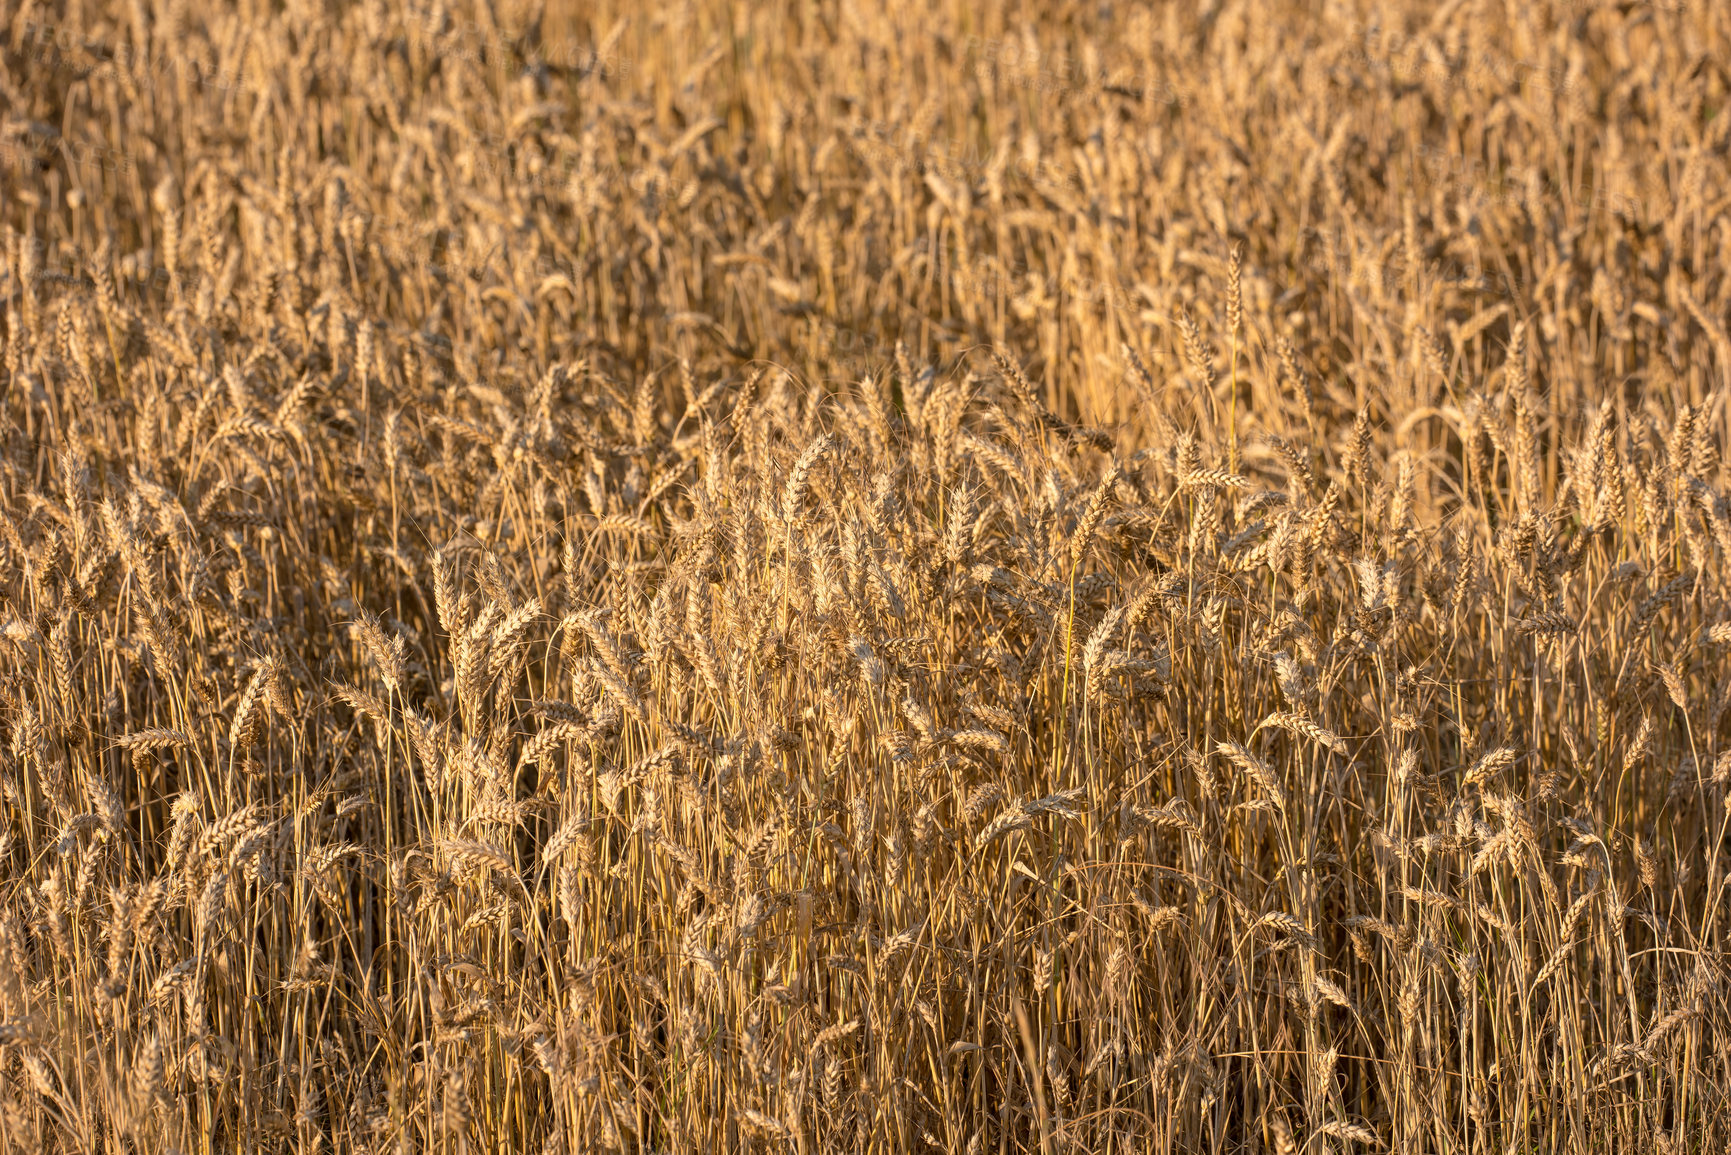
834 577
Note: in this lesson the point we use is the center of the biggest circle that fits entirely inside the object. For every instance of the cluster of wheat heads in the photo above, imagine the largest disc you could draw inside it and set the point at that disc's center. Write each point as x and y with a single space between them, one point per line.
819 579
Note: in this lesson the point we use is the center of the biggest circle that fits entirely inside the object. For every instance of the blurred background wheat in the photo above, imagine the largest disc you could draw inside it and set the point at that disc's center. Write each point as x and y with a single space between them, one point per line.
832 577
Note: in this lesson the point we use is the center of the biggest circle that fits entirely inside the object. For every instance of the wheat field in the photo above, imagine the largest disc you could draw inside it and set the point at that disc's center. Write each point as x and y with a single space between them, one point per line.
825 577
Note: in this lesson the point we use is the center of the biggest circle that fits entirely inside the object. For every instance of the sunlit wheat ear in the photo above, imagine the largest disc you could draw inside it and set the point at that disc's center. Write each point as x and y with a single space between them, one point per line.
1304 727
1256 770
1197 354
